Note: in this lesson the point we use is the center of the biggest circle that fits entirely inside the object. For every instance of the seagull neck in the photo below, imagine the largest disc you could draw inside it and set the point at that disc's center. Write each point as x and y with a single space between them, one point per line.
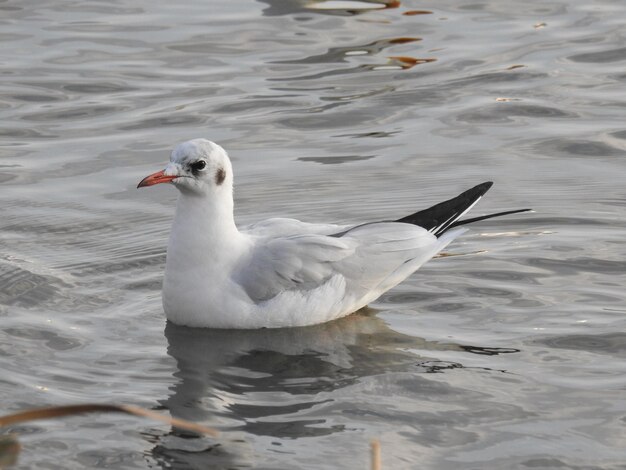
206 220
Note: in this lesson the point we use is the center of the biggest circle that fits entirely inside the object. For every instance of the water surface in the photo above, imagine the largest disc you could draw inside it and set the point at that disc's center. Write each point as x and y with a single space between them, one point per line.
508 355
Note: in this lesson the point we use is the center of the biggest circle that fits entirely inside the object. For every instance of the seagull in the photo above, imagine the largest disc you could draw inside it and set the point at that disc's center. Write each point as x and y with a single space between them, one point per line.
282 272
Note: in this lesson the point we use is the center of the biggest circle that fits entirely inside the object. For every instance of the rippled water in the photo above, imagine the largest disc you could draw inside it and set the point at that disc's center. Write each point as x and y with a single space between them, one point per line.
509 356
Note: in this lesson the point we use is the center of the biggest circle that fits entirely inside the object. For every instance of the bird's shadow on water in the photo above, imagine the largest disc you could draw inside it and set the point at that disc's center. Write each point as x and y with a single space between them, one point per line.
262 382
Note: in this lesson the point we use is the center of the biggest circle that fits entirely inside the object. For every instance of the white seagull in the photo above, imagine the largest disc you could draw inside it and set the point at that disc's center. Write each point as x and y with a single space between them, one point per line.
282 272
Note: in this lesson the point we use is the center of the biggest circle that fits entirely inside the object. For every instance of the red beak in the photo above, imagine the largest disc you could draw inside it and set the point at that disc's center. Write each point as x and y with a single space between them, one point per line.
155 178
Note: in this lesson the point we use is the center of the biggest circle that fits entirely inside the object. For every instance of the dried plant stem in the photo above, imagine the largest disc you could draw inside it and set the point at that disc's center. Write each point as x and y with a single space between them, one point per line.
59 411
375 454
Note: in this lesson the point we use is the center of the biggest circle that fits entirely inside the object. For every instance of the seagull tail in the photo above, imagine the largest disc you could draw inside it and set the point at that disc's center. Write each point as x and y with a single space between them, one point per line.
441 217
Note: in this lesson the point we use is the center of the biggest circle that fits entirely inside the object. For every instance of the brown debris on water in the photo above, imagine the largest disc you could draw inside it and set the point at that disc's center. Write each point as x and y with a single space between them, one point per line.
403 40
417 12
407 62
515 66
392 4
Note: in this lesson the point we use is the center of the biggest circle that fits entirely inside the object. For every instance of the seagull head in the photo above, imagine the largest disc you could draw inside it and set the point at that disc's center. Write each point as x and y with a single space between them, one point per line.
198 166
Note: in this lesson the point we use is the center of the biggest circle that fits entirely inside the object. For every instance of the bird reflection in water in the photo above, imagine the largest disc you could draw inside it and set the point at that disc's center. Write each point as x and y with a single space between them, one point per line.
277 382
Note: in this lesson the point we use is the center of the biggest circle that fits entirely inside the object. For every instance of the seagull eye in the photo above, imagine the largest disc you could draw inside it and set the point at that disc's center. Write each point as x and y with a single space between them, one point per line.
199 165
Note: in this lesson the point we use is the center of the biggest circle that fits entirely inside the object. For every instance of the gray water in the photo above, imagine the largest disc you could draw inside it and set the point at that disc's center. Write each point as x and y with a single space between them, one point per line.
510 354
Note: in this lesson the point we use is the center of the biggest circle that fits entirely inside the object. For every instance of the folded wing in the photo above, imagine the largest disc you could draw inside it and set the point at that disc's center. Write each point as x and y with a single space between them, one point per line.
298 262
371 259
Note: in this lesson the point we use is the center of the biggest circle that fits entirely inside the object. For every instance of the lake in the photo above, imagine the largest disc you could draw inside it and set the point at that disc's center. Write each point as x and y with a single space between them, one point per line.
509 352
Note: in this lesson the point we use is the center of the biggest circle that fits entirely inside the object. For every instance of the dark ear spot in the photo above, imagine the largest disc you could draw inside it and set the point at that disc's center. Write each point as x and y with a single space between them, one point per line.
220 176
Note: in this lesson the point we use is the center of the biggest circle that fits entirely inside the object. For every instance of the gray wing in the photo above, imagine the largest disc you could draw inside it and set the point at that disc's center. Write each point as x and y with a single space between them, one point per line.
386 254
298 262
369 257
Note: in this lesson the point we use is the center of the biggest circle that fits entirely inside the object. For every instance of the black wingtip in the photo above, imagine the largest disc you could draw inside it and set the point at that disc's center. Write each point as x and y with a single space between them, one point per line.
440 217
478 190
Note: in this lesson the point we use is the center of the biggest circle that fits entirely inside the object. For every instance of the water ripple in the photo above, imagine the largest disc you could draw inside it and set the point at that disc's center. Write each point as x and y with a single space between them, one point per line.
610 343
601 57
477 361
